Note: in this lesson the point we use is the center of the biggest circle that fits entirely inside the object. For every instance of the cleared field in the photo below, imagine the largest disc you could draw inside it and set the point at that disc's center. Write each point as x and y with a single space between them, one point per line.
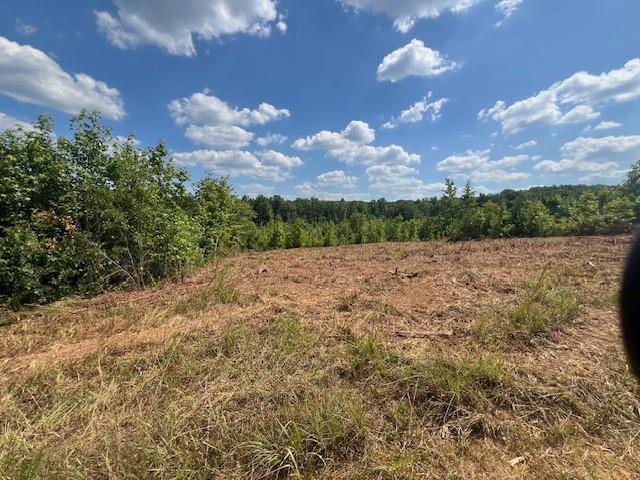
488 359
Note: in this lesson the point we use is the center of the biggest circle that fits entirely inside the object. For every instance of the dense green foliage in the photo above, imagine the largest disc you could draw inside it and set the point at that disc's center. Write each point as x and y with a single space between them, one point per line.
89 212
540 211
86 213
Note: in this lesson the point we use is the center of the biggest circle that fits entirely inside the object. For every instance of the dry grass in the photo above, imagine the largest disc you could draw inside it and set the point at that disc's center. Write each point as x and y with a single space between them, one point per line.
291 368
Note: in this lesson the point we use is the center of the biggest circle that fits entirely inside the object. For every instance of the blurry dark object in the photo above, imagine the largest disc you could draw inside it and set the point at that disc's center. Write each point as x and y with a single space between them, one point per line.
630 308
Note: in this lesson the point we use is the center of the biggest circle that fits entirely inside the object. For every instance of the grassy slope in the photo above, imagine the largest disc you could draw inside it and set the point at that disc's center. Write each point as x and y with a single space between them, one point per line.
223 378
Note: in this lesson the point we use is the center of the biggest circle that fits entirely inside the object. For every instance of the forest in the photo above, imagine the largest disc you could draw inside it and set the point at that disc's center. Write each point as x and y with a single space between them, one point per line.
87 213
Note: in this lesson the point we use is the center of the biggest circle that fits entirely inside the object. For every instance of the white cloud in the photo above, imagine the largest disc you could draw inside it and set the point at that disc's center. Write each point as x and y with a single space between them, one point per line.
203 109
405 13
603 148
312 190
256 189
352 146
579 114
527 145
336 178
399 181
219 136
282 25
278 159
614 176
212 122
572 165
594 155
607 126
414 59
122 140
173 25
507 8
380 171
271 138
416 112
24 28
329 186
8 122
570 101
359 132
478 166
234 163
29 75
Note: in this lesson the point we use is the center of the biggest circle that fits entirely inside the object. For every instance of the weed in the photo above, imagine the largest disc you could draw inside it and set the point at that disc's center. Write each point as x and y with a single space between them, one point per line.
367 357
305 436
541 306
220 290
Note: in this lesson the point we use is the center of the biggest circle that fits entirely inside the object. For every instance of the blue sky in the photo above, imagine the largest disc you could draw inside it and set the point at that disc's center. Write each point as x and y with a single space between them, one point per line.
342 98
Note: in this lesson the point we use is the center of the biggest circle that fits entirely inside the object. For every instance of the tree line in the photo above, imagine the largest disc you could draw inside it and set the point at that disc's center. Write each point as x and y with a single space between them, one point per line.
87 213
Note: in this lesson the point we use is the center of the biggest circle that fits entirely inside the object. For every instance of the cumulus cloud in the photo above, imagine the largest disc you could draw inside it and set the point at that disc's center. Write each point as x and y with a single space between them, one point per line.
173 25
219 136
351 146
30 75
314 190
603 148
594 155
331 186
278 159
414 59
400 181
271 138
336 178
8 122
418 110
237 163
204 109
256 189
570 101
477 165
212 122
405 13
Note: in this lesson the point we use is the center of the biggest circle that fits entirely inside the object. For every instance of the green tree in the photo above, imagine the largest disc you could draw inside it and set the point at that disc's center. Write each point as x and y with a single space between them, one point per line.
296 234
531 218
224 217
632 183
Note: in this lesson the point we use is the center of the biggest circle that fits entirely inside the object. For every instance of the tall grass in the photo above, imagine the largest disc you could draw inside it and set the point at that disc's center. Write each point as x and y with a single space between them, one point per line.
541 306
279 400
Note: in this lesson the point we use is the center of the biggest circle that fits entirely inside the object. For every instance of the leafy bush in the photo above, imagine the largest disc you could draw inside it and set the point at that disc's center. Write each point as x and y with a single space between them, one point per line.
87 213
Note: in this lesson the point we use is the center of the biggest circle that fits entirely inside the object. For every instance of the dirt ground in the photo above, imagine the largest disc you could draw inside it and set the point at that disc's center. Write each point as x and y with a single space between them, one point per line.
415 298
413 294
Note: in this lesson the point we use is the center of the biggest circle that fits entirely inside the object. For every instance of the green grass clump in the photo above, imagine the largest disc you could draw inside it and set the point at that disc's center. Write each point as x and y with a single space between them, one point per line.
466 379
367 357
543 305
305 436
219 291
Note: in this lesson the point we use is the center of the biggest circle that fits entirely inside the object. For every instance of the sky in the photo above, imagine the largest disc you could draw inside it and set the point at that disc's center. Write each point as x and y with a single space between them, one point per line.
354 99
